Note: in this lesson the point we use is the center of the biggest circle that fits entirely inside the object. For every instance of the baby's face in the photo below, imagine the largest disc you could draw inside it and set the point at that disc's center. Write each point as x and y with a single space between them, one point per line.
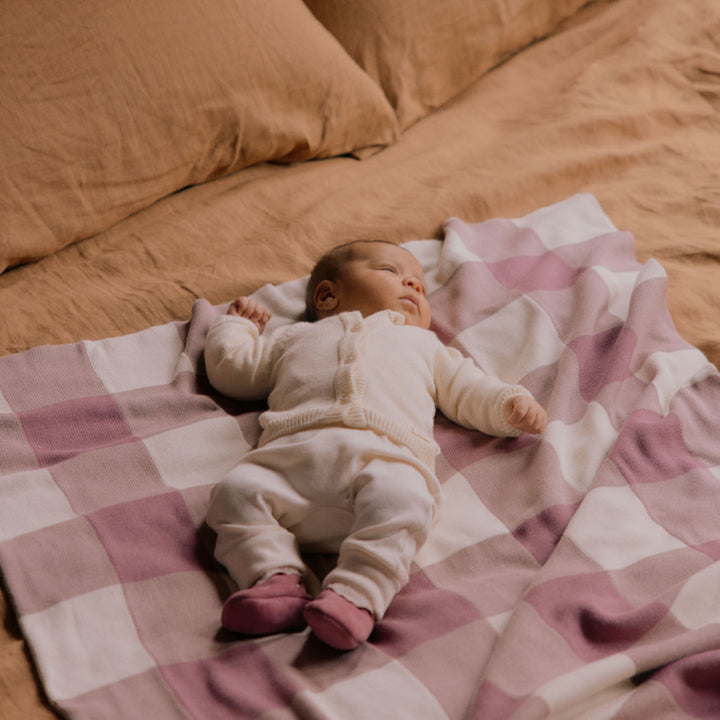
384 277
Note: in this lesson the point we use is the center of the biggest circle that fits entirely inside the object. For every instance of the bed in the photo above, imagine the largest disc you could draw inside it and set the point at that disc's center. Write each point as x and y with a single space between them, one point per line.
554 165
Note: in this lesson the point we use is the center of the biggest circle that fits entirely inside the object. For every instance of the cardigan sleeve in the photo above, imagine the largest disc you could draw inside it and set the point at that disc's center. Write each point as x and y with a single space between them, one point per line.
470 397
238 358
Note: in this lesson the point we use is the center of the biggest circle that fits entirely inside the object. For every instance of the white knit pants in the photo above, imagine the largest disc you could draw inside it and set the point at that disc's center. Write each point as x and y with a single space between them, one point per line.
333 489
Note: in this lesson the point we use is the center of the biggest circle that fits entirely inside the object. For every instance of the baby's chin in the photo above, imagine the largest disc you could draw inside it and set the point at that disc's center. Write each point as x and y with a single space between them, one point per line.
417 321
413 315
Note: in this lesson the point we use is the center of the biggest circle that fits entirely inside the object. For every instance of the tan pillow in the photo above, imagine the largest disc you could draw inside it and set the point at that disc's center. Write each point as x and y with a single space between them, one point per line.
423 52
107 106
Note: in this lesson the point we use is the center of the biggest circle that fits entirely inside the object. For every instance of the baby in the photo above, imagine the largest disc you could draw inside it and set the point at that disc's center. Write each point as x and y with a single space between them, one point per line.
346 460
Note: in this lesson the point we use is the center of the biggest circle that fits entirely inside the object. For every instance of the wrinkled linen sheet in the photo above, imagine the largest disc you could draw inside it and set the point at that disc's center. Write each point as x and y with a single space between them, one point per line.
572 575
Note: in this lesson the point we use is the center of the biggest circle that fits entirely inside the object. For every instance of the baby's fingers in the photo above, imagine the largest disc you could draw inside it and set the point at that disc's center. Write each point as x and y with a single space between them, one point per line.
261 317
538 422
527 415
250 309
535 421
238 306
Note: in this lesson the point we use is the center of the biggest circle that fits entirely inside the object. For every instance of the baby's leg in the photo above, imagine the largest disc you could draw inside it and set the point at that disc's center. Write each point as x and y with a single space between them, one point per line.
394 511
393 515
247 511
260 554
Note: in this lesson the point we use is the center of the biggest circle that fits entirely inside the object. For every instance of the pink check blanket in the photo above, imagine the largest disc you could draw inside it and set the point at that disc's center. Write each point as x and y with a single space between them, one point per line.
574 575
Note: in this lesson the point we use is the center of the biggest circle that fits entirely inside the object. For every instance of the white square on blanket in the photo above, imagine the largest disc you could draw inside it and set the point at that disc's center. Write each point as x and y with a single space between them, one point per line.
595 691
613 527
696 605
143 359
371 695
86 642
580 459
198 454
463 521
670 372
620 287
514 341
30 501
575 220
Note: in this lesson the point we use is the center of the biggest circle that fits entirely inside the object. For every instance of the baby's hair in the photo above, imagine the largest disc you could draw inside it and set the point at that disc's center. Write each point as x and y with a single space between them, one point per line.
330 267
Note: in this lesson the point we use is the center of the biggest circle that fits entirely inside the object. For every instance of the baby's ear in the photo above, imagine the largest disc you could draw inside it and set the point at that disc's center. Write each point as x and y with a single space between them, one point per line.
325 297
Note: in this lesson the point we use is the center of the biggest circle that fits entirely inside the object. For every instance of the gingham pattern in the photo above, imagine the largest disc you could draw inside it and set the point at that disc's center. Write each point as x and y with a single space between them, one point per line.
571 576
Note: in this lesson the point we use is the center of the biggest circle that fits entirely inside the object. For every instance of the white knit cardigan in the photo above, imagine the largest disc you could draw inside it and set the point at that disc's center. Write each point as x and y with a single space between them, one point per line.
374 372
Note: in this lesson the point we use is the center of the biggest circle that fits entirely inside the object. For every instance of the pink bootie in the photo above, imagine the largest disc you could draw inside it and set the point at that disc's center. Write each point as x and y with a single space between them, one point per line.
337 622
273 606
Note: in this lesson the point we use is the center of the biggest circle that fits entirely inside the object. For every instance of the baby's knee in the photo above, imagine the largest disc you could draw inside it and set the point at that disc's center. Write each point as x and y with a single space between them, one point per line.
423 509
237 490
406 504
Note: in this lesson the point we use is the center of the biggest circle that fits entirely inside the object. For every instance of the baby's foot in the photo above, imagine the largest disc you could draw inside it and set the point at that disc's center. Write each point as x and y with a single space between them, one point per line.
273 606
338 622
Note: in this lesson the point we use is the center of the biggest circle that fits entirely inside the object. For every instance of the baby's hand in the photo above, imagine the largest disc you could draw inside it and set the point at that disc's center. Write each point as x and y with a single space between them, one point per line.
252 310
526 414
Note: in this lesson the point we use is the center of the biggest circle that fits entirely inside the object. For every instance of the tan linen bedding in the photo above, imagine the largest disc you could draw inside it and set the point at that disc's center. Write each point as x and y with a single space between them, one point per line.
624 104
622 101
109 107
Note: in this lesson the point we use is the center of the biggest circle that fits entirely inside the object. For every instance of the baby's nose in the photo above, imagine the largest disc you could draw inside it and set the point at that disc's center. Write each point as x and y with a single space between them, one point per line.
414 283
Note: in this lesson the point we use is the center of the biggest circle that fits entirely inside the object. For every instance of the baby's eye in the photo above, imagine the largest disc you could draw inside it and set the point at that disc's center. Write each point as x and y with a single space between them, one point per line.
389 268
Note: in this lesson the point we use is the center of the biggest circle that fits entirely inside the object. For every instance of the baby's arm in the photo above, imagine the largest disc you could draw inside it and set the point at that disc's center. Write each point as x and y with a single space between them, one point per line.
526 414
473 399
237 354
252 310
